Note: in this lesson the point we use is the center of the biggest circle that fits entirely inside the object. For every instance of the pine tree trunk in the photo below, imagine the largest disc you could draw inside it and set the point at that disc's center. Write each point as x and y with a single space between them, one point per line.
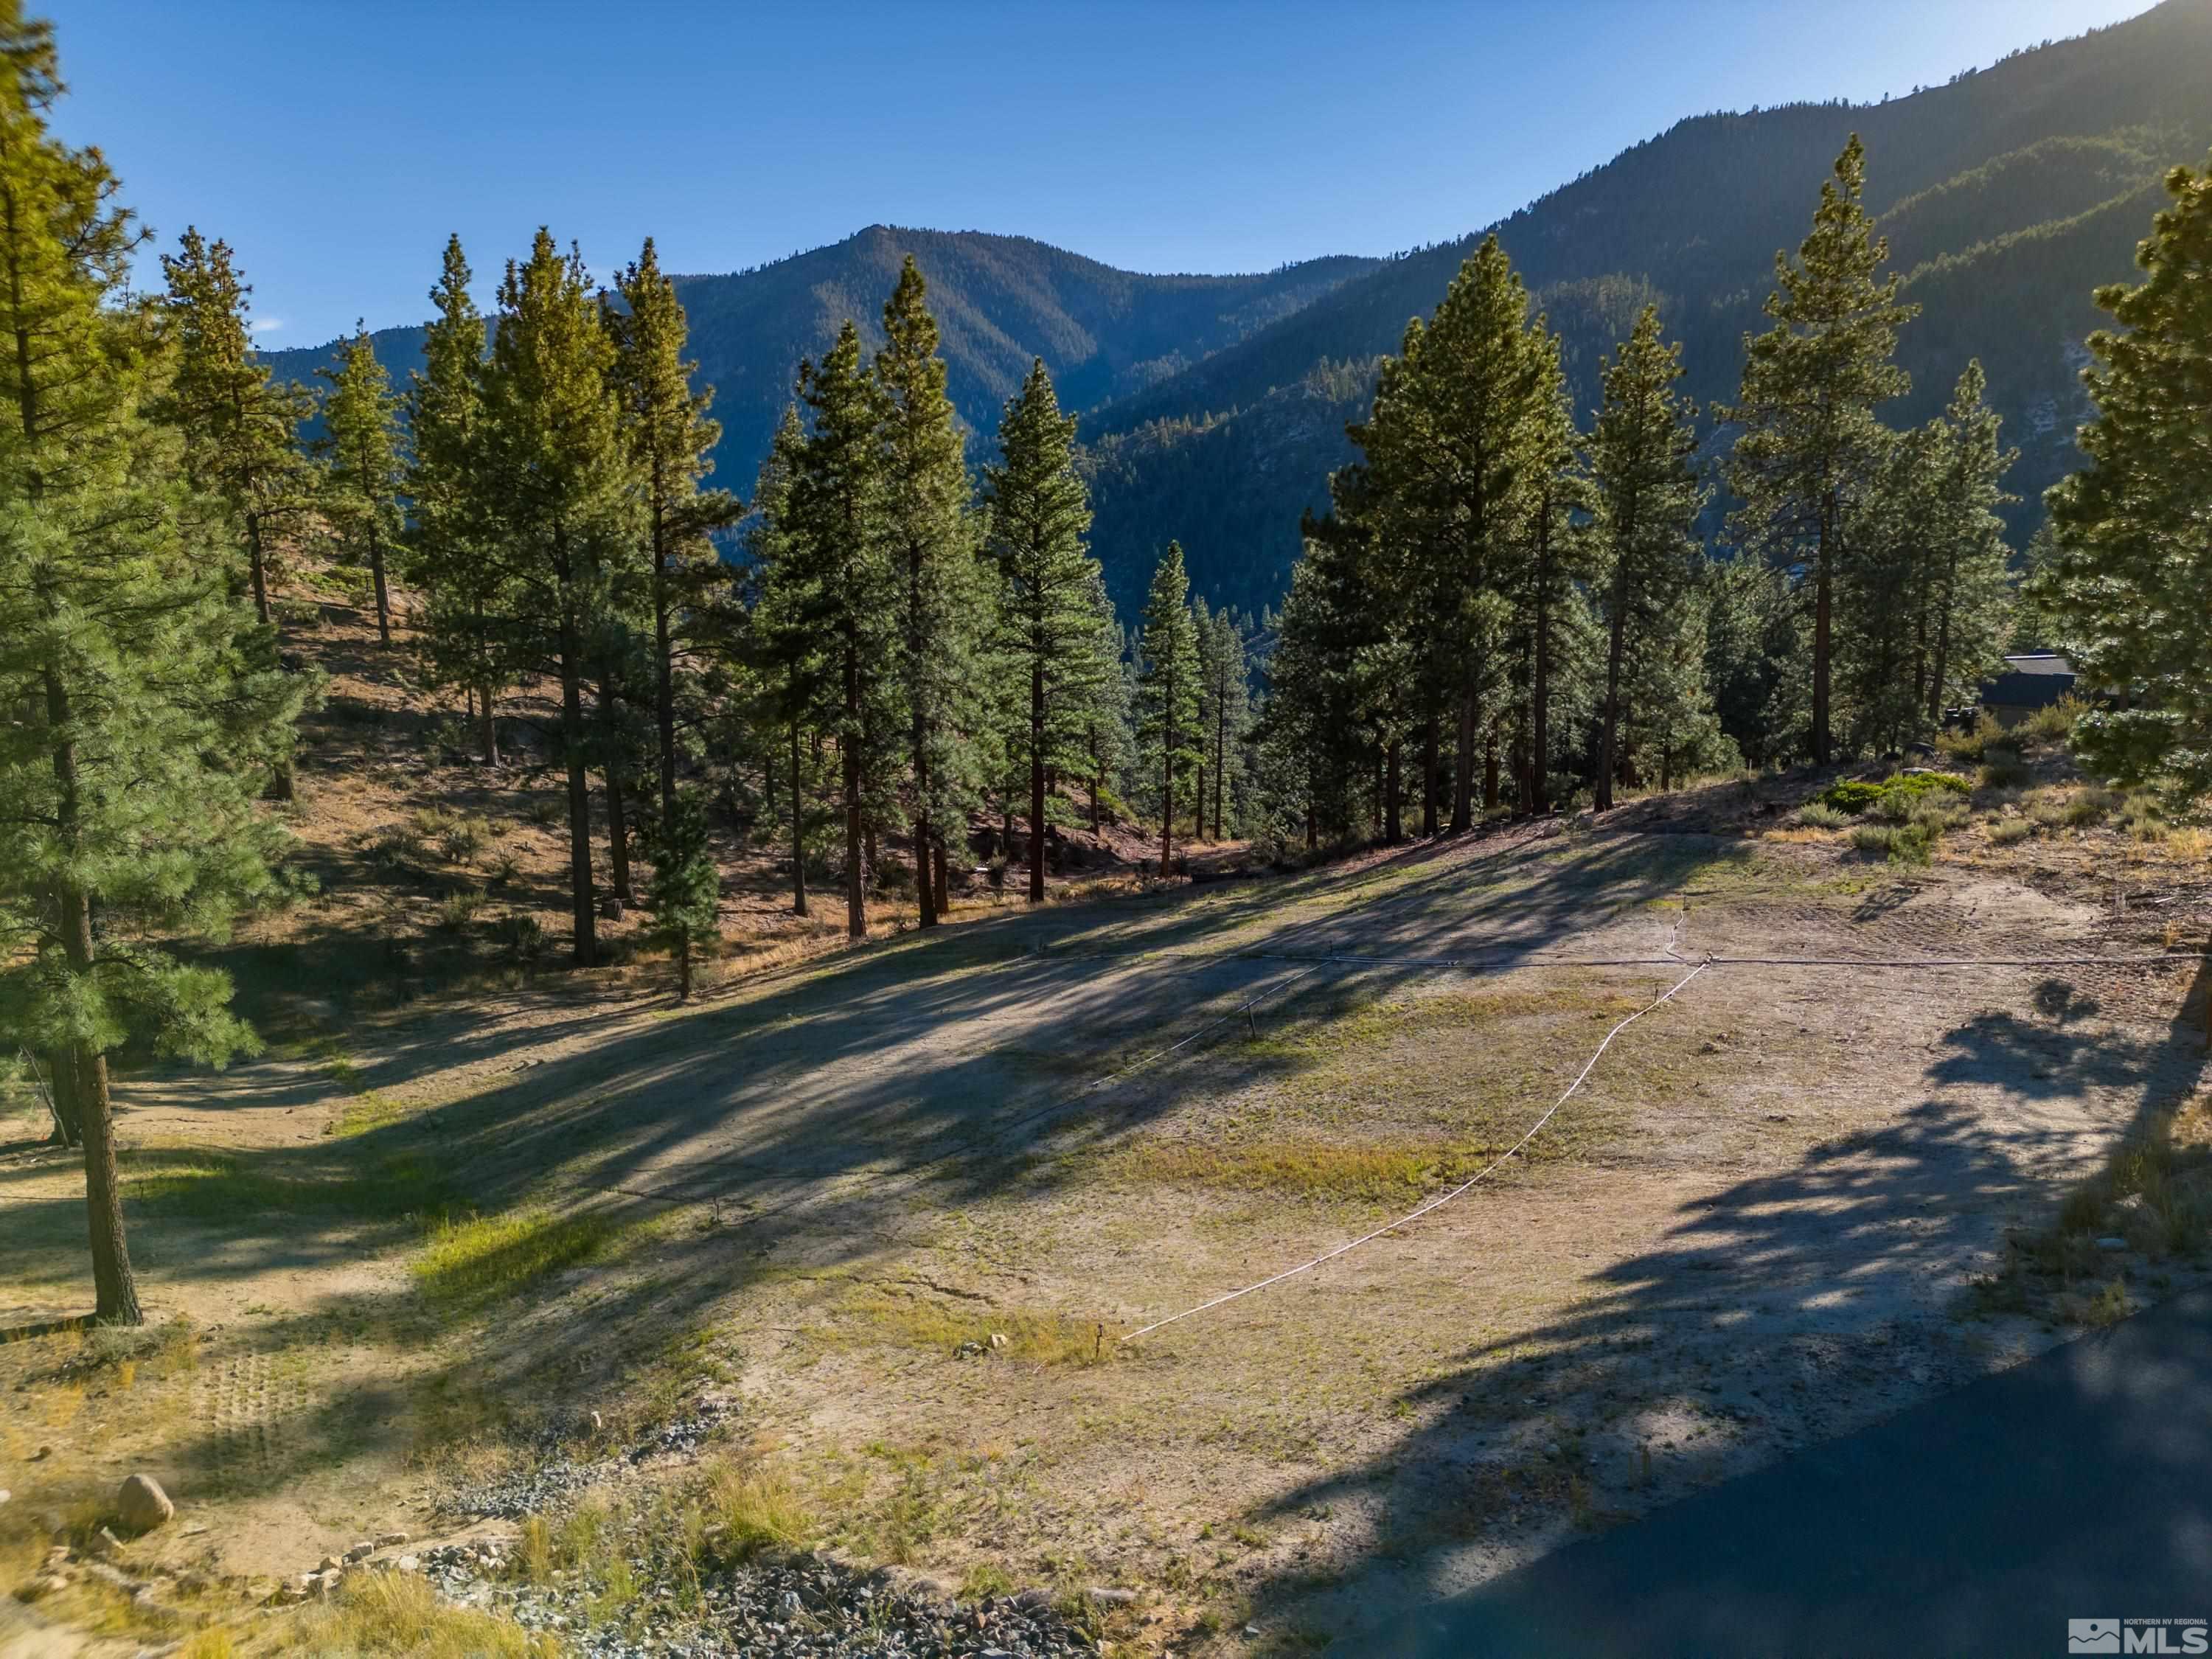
115 1291
68 1121
924 888
664 655
1220 762
1313 828
856 911
618 837
1037 782
1616 646
257 570
383 594
797 830
944 879
1539 766
1393 825
1462 815
1823 622
1490 768
1166 776
869 865
1197 816
1429 779
586 918
1942 667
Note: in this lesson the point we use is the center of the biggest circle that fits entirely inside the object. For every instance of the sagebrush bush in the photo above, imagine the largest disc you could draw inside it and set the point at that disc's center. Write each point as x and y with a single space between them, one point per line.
2056 723
1971 746
1818 815
2003 768
2006 831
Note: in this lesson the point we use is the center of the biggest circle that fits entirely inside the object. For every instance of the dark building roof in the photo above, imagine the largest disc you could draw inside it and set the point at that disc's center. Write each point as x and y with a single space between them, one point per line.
2033 681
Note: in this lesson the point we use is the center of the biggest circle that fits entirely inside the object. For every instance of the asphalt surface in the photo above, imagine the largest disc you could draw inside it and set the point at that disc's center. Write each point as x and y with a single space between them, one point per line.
2075 1485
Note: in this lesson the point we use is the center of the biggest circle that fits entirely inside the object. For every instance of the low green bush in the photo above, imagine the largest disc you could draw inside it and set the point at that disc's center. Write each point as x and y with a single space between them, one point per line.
1972 745
1893 795
1818 815
2003 768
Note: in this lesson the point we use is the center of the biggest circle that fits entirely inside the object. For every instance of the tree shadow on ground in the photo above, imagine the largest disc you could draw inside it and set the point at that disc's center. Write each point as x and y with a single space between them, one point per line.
1775 1312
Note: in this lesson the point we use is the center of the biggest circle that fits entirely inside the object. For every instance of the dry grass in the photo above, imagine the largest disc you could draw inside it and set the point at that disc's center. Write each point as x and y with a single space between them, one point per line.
875 1315
398 1612
1369 1172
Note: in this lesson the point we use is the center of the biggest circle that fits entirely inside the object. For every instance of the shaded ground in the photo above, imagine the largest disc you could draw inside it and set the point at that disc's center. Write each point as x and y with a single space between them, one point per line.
2073 1487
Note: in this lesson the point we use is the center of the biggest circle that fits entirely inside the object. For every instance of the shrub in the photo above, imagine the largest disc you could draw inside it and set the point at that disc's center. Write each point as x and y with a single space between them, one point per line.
1904 843
1818 815
2090 806
2008 830
2056 723
1893 796
1971 746
458 909
522 939
2003 768
547 811
459 836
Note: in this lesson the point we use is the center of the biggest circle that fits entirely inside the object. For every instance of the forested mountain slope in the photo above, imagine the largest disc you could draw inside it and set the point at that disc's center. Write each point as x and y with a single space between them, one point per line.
999 301
2008 194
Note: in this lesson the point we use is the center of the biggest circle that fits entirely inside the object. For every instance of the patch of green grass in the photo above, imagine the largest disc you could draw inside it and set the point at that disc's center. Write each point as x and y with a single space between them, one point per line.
230 1187
478 1259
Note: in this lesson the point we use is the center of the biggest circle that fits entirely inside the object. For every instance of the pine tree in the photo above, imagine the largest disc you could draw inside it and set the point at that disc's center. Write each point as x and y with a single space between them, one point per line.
553 504
1554 555
1167 692
1447 452
781 636
462 635
943 603
1642 457
362 470
1811 445
1971 586
841 582
241 427
144 707
1048 627
2131 585
670 439
1224 714
687 886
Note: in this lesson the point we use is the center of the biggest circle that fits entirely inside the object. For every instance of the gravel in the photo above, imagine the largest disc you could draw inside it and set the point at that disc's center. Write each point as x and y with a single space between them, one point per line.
809 1605
554 1479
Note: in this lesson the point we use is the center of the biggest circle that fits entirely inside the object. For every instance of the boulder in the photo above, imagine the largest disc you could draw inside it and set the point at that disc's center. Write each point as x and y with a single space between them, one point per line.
141 1505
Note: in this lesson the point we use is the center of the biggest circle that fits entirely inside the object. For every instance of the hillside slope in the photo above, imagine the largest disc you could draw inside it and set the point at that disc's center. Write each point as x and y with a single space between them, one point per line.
2009 194
1001 301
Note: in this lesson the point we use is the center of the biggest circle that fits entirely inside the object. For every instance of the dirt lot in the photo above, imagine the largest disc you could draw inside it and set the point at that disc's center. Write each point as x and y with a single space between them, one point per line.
896 1210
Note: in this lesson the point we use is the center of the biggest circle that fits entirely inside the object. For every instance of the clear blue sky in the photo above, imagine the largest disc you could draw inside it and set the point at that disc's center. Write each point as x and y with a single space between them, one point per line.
335 144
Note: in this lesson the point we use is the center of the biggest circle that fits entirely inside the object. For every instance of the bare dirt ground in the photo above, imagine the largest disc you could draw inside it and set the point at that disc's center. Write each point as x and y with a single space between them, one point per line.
823 1194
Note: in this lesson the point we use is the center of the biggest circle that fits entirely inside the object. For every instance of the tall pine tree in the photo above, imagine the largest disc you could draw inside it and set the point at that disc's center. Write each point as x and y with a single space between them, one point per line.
670 438
1168 737
1642 461
552 504
1047 625
1811 448
2130 586
144 708
362 471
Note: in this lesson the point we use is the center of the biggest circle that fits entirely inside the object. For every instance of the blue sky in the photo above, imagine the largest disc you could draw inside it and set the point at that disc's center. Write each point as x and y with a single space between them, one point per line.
335 144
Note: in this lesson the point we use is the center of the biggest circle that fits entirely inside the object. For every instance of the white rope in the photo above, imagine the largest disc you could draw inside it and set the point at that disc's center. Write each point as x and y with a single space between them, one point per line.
1442 1199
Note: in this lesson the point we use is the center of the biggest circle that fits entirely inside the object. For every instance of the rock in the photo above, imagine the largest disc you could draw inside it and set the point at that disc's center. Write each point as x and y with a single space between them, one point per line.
1251 1629
408 1564
790 1603
106 1543
1111 1598
141 1505
598 1422
360 1552
997 1340
329 1564
5 1494
385 1541
2112 1241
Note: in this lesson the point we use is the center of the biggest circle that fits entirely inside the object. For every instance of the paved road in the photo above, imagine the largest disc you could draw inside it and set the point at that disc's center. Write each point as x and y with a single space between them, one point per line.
2076 1485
